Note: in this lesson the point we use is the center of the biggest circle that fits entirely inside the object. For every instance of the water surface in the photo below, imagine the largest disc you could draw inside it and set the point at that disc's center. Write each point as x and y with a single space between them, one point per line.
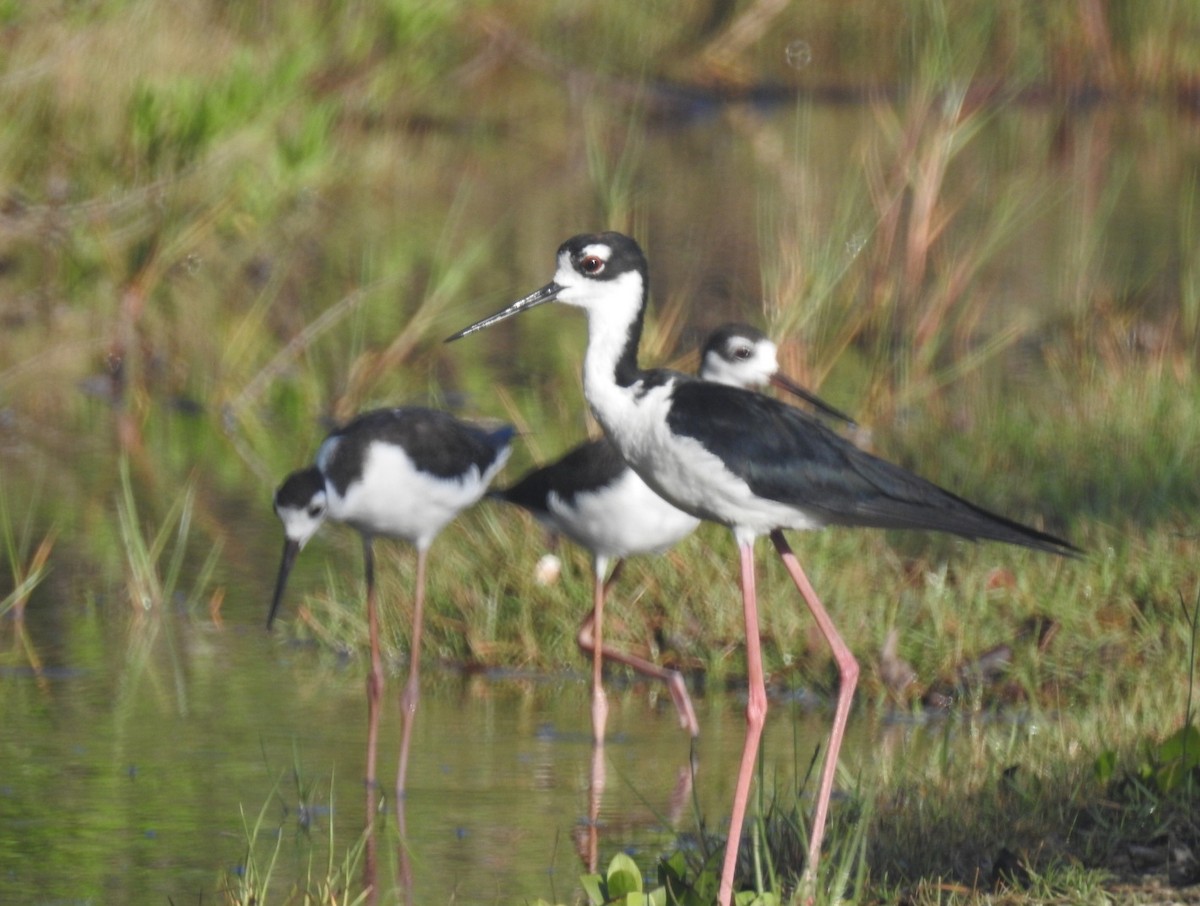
127 766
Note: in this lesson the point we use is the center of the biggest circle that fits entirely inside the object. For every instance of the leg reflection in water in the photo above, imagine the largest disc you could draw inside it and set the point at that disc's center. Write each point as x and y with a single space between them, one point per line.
619 828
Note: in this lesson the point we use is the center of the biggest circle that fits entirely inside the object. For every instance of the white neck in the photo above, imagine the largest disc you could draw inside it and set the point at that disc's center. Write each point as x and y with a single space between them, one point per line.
610 320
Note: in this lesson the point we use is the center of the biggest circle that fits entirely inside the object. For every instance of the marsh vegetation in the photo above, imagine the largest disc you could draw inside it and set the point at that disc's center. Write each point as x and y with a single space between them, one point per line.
225 226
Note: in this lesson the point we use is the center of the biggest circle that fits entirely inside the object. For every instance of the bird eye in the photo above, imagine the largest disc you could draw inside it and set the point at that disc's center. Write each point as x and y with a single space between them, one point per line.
743 352
315 510
592 265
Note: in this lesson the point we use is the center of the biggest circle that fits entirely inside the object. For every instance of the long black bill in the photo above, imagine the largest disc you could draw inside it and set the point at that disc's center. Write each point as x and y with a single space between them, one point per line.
546 294
785 383
290 549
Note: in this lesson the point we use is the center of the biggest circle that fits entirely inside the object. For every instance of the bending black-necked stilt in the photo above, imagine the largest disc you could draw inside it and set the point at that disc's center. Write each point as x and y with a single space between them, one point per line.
592 497
400 473
749 462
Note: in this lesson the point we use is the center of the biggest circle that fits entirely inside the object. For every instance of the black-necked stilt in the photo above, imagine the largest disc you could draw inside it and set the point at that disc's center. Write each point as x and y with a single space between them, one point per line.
749 462
399 473
592 497
739 355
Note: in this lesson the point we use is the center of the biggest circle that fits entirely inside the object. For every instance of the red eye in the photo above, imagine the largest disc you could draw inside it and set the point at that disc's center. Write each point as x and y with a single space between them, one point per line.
592 264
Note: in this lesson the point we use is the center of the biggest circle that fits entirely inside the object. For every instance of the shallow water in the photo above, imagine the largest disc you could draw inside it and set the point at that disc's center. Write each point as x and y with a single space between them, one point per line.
129 763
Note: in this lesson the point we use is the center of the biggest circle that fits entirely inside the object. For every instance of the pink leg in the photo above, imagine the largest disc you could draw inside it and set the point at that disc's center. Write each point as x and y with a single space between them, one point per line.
412 689
756 716
408 714
681 794
589 639
374 694
613 576
591 850
848 669
406 875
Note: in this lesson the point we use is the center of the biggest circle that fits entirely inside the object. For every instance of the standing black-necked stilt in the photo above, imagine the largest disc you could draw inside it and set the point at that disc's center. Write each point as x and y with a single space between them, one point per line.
747 461
592 497
400 473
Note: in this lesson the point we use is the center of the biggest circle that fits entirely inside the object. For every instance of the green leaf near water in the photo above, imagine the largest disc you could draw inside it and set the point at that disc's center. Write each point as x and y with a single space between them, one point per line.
624 877
592 888
1176 758
1105 766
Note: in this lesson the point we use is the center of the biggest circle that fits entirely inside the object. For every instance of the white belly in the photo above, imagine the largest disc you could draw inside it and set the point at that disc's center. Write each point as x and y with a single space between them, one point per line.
396 499
686 474
622 519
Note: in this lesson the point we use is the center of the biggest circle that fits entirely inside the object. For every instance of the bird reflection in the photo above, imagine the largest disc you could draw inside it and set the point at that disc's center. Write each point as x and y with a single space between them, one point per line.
622 826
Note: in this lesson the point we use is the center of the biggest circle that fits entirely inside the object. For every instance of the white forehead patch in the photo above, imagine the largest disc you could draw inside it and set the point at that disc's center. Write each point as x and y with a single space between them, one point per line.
724 367
768 349
599 249
299 524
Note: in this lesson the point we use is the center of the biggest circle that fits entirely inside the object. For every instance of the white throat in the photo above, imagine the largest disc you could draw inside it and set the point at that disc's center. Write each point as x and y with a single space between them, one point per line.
612 307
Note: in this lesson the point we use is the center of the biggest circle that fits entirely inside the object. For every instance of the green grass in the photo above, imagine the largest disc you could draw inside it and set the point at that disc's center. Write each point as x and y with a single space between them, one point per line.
331 868
28 564
228 223
1114 679
949 599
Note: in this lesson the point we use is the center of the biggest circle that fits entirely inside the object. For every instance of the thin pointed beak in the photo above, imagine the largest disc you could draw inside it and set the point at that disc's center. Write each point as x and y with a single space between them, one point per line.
783 382
290 549
546 294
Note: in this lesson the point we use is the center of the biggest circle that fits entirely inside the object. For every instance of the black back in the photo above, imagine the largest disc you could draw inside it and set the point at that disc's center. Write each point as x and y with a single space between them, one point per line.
589 467
437 443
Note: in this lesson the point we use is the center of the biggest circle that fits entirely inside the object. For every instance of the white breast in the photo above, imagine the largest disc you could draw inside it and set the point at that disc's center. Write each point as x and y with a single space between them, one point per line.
682 470
396 499
622 519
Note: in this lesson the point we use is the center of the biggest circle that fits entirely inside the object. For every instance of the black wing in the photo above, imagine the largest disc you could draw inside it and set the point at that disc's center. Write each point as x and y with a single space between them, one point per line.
436 441
785 454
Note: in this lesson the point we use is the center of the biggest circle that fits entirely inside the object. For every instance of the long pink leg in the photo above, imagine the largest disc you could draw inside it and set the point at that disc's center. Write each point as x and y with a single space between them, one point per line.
406 875
374 694
589 639
412 689
591 847
848 670
756 716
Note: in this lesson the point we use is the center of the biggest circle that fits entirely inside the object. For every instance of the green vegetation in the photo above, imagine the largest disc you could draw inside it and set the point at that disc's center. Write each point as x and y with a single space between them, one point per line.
328 881
972 225
147 588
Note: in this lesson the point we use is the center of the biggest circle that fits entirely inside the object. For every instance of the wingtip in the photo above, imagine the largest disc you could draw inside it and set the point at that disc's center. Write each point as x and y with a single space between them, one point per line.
1069 550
